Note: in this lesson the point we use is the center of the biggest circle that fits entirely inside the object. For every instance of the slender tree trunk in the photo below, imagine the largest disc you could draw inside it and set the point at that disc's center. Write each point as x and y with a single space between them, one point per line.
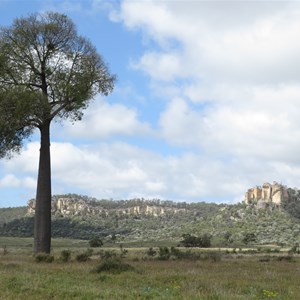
42 223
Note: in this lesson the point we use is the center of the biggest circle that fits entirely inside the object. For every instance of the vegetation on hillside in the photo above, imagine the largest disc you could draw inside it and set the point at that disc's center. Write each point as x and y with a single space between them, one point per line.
224 225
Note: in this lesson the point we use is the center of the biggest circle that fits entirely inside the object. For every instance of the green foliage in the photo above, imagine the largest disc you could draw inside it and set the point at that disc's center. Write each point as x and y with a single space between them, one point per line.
151 252
227 224
65 255
107 254
249 238
164 253
95 242
292 203
43 257
295 249
115 266
189 240
85 256
228 238
9 214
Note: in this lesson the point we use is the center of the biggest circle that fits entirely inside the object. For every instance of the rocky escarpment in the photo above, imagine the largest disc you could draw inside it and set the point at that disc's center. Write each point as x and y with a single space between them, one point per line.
68 206
267 194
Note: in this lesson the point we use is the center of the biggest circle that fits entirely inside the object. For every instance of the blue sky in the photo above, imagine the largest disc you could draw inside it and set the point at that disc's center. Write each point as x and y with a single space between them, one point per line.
206 104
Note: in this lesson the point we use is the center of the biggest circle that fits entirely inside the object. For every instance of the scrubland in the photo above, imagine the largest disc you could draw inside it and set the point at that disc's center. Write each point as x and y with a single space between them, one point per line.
136 273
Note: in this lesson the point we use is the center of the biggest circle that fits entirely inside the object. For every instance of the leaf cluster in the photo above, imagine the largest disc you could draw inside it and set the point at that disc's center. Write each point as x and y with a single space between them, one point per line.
47 71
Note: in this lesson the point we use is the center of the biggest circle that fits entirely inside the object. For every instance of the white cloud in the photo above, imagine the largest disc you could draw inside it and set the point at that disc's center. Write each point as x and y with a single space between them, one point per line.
240 100
12 181
160 66
9 180
102 120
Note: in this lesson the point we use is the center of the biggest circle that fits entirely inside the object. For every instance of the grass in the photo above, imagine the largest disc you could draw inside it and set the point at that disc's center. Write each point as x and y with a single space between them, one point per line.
234 277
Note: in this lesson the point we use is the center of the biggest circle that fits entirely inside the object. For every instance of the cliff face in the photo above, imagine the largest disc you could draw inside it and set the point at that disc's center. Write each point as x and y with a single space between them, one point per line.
267 193
72 206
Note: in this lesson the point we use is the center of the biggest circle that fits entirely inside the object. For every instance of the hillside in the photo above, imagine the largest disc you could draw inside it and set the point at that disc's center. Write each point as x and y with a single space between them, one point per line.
154 220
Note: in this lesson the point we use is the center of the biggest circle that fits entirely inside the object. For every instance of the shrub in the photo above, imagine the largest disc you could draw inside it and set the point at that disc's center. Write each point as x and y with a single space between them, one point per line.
151 252
65 255
113 266
95 242
295 249
85 256
249 238
176 253
123 251
108 254
194 241
43 257
164 253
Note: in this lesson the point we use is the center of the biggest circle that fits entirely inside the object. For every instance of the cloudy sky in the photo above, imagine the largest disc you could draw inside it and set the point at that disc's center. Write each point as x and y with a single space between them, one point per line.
207 102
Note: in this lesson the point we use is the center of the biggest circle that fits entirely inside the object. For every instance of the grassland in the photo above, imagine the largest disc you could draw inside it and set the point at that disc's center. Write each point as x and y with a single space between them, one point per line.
230 276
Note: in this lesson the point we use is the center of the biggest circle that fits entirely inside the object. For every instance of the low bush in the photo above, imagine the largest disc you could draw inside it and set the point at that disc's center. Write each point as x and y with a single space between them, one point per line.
85 256
43 257
65 255
113 266
95 242
151 252
164 253
107 254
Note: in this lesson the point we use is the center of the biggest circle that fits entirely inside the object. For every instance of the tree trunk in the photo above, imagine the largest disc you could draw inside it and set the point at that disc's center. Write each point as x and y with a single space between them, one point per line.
42 223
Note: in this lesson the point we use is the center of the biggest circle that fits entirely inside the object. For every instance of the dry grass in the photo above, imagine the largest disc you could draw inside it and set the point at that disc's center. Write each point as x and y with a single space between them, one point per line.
234 277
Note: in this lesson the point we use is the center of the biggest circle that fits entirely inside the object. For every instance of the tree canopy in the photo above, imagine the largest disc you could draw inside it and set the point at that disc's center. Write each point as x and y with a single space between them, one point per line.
47 71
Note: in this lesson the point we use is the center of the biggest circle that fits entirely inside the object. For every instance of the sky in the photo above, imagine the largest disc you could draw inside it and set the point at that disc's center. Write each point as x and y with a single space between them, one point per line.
206 103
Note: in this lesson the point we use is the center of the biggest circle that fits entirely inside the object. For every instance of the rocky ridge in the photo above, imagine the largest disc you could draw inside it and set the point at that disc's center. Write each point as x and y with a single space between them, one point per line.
68 206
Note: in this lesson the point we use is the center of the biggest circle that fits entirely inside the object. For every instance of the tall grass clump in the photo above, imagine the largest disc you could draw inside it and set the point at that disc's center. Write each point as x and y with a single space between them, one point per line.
114 265
44 257
85 256
65 255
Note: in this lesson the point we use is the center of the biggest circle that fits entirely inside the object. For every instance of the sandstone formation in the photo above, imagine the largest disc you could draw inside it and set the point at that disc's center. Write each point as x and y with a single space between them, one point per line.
267 193
75 206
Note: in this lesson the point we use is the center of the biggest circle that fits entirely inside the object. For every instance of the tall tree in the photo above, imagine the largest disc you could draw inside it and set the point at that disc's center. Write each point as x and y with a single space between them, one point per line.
47 72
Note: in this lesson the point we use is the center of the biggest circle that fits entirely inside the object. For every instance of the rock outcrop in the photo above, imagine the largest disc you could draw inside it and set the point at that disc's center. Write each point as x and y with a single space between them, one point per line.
267 193
75 206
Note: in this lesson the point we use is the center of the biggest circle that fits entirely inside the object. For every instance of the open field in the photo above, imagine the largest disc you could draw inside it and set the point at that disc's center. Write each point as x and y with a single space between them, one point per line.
221 276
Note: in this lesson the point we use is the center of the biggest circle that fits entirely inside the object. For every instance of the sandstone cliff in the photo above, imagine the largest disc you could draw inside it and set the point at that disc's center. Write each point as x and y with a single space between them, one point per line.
76 206
267 193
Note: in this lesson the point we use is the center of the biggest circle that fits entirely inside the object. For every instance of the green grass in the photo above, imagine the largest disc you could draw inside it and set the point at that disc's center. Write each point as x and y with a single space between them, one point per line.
235 277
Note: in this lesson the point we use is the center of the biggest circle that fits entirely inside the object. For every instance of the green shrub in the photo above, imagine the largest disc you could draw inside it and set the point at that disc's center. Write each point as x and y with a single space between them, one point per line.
288 258
189 240
151 252
113 266
43 257
95 242
178 254
107 254
65 255
164 253
295 249
249 238
85 256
